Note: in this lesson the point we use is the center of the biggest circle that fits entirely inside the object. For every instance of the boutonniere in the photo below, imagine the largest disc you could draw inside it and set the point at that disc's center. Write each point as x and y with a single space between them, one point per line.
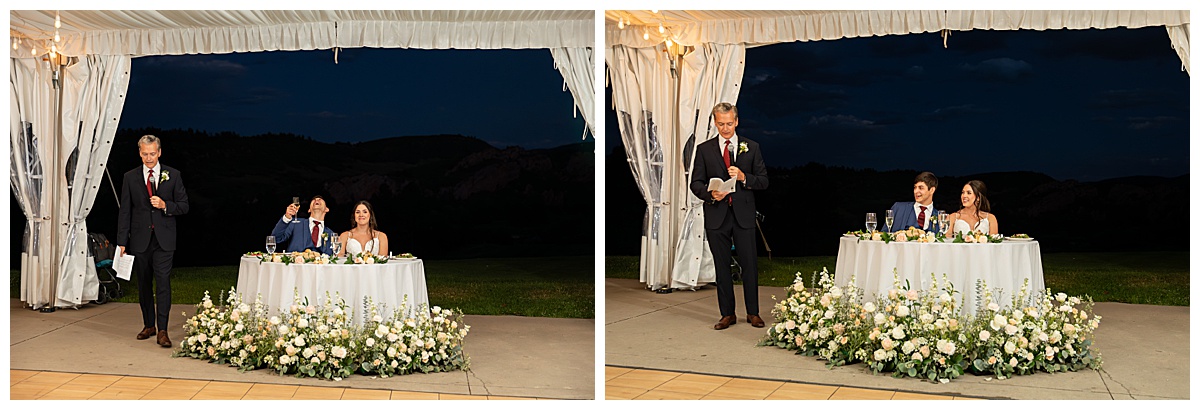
164 176
742 148
325 236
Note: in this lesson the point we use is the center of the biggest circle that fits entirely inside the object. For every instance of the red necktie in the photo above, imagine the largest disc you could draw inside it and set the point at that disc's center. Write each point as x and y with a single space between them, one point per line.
921 218
150 183
725 153
316 233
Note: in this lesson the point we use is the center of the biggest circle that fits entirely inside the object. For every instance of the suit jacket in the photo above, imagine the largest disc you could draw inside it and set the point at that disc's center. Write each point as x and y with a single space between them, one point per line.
905 216
298 237
710 163
136 216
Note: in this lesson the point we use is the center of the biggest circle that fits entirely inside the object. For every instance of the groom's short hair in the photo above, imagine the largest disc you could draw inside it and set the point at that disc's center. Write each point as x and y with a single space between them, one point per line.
724 108
928 178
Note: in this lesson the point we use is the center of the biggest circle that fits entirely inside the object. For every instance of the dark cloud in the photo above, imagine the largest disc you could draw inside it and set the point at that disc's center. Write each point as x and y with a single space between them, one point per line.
1151 123
777 97
1002 69
956 111
1116 44
1133 98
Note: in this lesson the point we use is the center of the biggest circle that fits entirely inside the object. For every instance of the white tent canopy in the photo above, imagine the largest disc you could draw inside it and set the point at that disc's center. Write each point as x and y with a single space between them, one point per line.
64 111
668 68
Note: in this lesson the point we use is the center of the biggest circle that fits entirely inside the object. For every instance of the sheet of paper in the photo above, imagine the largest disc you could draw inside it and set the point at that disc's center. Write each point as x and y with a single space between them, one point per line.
124 266
716 184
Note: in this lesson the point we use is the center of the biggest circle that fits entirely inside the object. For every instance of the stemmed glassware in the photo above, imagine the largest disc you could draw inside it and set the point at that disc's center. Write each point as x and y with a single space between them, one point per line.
871 223
270 244
942 218
336 244
296 202
888 220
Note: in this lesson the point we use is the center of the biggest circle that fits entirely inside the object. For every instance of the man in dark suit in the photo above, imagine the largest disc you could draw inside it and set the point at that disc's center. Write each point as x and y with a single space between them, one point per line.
151 197
729 216
300 234
920 212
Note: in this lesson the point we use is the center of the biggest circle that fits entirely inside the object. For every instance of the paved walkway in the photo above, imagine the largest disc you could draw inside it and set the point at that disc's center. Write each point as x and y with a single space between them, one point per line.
1145 349
509 356
641 384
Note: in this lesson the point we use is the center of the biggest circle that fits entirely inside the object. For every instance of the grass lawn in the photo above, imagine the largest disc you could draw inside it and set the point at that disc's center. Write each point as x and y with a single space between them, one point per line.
562 287
1148 278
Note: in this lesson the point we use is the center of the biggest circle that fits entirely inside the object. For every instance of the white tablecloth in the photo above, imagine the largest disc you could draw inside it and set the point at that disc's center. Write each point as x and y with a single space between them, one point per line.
387 283
1005 265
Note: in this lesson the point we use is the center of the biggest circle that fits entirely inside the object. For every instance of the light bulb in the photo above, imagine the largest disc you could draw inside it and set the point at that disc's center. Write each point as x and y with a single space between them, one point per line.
645 35
661 29
33 51
57 21
621 24
53 49
668 43
654 11
56 38
14 44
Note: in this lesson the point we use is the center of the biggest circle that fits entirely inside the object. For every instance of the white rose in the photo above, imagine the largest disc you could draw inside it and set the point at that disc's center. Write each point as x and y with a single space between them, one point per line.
945 297
315 360
998 322
880 355
1010 330
916 356
207 304
926 318
829 314
835 292
283 329
290 350
391 337
369 261
307 352
887 344
1064 308
1012 362
302 323
1061 297
902 311
869 307
1018 315
898 333
946 347
1069 329
892 294
339 352
984 335
238 327
992 306
789 325
1055 337
1010 347
880 318
370 342
912 294
274 320
299 341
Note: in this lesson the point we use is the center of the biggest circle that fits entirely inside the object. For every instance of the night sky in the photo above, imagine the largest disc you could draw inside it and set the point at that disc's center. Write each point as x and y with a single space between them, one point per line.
504 97
1073 104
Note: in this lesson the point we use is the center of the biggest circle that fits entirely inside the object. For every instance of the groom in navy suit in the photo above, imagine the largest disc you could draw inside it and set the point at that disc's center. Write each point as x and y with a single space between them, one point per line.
729 216
300 234
920 212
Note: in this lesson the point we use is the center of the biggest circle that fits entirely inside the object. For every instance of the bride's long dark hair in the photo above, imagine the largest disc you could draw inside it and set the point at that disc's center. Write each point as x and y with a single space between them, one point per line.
981 201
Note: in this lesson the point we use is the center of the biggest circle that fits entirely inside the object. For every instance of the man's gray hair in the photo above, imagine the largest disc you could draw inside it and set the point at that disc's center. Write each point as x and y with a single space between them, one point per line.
149 139
724 108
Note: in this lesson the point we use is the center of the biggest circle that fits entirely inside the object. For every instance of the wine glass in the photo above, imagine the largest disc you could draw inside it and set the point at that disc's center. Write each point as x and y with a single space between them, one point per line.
871 222
270 244
336 244
942 219
889 219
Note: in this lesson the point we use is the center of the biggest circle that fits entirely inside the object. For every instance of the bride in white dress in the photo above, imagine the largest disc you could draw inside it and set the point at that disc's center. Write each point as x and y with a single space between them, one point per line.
363 237
976 213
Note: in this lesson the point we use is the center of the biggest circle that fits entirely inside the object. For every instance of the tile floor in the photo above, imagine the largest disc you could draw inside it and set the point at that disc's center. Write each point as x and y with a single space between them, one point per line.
623 383
33 385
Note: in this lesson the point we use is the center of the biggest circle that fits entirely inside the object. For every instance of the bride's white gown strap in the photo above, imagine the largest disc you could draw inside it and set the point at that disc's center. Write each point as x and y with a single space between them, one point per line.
353 247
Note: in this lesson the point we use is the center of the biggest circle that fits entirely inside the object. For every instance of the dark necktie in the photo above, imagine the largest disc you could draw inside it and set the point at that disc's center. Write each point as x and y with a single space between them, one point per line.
316 233
725 154
150 183
921 218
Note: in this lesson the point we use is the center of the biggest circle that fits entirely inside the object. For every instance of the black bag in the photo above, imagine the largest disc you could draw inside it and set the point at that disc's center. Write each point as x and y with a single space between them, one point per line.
101 249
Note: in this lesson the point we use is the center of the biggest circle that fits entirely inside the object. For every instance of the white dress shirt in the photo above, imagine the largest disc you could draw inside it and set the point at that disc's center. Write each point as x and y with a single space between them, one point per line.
321 235
157 173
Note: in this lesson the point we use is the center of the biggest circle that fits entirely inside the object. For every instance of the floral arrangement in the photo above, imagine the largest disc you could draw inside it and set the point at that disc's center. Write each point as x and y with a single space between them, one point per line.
308 256
366 258
912 234
977 237
321 340
923 332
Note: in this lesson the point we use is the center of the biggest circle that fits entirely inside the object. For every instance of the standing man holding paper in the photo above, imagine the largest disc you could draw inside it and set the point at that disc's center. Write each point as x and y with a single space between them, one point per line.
152 195
729 215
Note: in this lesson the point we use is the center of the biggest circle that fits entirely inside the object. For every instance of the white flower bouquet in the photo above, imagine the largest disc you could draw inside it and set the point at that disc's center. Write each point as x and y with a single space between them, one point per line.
923 332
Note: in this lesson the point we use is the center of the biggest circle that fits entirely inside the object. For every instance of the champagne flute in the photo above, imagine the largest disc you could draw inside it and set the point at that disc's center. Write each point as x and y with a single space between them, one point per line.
296 202
336 245
889 219
270 244
871 222
942 219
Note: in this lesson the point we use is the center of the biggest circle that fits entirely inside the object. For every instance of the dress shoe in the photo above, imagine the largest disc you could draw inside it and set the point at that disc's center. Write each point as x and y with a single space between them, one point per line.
726 321
163 340
146 333
755 320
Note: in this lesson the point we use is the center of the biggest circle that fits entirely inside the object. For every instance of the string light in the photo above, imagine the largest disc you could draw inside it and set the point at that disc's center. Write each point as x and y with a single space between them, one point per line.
645 35
621 23
14 44
56 37
53 49
661 29
654 11
33 51
57 21
668 43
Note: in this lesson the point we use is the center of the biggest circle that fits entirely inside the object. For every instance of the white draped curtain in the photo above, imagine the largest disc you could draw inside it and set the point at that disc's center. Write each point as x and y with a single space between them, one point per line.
710 74
643 98
577 66
32 175
93 98
1181 43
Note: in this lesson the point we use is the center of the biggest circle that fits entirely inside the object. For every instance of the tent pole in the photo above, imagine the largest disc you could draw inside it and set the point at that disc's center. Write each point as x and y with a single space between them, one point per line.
55 197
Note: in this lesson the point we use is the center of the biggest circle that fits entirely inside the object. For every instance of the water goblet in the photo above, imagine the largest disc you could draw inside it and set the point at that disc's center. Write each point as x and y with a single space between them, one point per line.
871 222
270 244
